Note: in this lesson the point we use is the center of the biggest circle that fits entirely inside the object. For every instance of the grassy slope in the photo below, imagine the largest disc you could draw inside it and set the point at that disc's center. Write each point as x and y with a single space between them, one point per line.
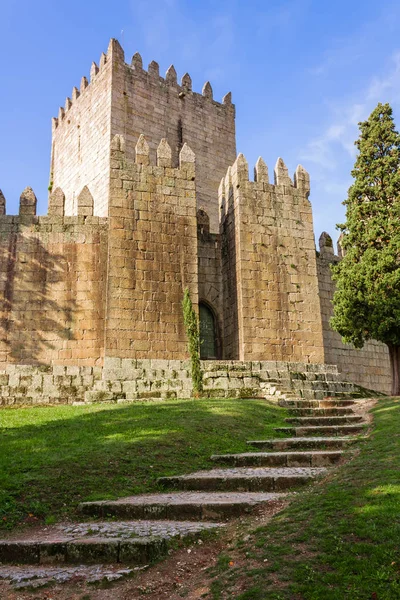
337 540
52 458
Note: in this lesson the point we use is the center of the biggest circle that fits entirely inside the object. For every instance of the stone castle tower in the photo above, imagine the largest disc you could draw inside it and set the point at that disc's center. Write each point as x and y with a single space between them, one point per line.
148 198
125 99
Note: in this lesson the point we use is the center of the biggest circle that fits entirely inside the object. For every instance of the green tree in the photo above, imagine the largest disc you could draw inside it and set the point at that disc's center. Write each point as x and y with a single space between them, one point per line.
367 298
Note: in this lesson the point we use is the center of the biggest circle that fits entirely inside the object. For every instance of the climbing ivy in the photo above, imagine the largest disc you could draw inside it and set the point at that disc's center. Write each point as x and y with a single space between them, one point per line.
193 335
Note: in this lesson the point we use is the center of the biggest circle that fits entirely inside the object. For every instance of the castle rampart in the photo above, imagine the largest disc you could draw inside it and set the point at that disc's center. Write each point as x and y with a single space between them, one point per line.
152 252
269 267
369 366
52 277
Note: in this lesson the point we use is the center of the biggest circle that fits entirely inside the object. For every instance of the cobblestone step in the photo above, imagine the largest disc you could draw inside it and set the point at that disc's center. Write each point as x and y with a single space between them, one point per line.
322 430
245 479
130 542
344 420
320 412
297 443
208 506
39 576
324 403
320 458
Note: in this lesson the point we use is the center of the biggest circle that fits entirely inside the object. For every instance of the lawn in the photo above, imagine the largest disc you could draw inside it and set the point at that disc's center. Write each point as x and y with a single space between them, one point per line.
338 540
51 458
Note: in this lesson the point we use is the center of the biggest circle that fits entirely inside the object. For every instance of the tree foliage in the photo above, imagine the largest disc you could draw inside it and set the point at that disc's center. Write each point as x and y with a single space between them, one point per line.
193 335
367 297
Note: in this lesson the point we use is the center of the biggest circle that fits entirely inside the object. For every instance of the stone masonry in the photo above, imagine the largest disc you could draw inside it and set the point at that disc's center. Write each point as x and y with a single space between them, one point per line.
146 200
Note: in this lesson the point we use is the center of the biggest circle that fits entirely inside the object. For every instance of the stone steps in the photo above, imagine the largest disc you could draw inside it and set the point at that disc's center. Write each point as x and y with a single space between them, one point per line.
143 528
299 443
186 506
129 542
245 479
320 458
313 421
320 430
320 412
325 403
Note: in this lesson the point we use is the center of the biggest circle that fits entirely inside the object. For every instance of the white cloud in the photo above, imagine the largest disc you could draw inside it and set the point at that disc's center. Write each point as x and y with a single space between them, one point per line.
340 135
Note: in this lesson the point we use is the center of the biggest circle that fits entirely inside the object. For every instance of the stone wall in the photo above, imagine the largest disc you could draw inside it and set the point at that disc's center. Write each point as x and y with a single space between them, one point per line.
368 367
210 272
152 252
81 137
52 287
144 102
269 266
129 380
26 385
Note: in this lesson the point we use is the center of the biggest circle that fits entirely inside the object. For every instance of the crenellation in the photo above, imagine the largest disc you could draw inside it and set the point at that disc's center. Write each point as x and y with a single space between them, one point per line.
326 245
142 150
85 203
164 154
281 174
154 70
68 104
137 62
27 202
84 84
115 52
261 171
94 69
186 82
102 61
207 91
75 94
56 203
302 180
171 76
227 99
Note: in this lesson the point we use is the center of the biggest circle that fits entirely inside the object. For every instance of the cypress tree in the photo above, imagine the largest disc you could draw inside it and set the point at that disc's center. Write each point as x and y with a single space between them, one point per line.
367 298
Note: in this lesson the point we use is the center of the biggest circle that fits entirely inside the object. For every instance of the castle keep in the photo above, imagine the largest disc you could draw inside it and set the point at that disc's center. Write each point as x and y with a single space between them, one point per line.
148 198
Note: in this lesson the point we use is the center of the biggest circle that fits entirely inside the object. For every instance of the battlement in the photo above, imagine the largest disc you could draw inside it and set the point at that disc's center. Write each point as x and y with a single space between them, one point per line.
237 177
28 205
115 55
126 98
164 154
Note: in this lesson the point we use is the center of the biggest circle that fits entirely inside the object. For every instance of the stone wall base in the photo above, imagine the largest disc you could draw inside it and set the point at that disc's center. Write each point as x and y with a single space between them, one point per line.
126 380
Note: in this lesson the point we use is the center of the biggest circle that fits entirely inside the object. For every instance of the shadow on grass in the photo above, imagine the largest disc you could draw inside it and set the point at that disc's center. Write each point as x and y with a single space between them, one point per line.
53 458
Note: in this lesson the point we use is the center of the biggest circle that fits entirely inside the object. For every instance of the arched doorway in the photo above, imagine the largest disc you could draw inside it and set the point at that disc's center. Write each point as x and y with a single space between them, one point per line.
208 333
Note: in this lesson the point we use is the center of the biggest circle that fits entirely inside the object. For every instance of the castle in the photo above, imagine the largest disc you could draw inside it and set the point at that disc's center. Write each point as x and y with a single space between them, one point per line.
147 198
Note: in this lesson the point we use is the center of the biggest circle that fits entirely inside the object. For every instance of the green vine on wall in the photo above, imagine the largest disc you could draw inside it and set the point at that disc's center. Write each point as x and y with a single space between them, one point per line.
193 335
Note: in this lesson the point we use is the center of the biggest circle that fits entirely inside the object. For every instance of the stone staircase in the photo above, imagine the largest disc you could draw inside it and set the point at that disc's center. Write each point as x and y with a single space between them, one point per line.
140 529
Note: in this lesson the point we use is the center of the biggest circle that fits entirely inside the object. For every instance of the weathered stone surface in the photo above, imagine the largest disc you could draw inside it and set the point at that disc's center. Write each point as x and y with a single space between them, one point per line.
209 506
137 542
281 444
322 430
245 479
280 459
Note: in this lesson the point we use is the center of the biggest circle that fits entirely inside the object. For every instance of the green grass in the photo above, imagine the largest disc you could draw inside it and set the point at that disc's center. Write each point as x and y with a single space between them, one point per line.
52 458
337 540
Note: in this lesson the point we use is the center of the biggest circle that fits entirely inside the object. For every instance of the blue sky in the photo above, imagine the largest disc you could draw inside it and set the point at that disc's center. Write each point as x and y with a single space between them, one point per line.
302 74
